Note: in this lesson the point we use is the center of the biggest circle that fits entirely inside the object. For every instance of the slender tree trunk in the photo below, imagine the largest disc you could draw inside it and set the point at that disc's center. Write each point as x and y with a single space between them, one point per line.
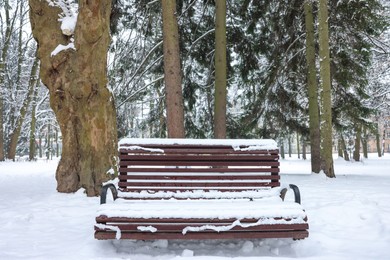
14 137
326 97
298 143
289 146
40 146
378 141
3 57
344 147
304 148
16 85
77 83
282 154
172 71
315 136
356 152
220 70
340 148
365 142
32 146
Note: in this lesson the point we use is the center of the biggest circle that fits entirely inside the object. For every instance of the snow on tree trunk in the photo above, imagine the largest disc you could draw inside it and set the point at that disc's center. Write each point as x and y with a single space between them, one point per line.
74 69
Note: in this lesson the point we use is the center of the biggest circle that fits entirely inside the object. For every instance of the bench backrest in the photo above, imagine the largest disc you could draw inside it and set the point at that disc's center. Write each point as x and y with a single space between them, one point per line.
195 167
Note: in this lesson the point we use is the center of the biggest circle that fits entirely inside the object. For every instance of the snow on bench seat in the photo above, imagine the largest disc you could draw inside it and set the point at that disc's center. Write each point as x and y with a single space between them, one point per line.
267 208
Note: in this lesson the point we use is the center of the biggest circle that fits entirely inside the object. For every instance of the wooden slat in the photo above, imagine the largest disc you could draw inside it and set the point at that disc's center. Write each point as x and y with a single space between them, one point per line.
201 148
295 234
179 227
104 218
128 188
196 157
199 163
197 177
124 170
193 184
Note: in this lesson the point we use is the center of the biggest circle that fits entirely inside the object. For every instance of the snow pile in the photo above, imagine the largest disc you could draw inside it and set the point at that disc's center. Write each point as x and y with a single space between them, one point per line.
68 19
349 218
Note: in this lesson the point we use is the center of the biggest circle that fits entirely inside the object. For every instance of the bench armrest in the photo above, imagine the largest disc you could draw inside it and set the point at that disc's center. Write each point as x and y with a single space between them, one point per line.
297 194
103 192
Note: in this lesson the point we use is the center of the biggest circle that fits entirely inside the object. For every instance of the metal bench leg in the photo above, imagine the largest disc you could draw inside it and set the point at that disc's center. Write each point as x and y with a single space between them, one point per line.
297 194
103 192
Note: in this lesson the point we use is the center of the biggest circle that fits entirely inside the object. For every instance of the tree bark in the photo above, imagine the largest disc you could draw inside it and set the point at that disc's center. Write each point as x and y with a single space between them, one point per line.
304 148
4 51
32 146
172 71
365 142
378 141
326 97
344 147
356 152
77 83
314 124
220 95
14 137
340 148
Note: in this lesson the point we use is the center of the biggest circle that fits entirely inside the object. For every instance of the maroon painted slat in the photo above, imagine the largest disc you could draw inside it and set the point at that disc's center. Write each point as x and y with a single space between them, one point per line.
198 163
125 187
197 177
124 170
196 157
104 218
178 227
295 234
193 184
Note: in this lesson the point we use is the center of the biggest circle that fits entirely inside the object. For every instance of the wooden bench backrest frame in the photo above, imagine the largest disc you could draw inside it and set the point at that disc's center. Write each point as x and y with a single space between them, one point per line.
190 167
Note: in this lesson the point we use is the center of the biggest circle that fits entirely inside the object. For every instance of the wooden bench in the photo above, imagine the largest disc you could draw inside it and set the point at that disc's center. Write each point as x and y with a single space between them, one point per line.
199 189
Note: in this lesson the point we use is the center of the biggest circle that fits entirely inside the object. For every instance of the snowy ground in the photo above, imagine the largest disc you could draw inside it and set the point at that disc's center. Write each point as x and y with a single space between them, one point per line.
349 218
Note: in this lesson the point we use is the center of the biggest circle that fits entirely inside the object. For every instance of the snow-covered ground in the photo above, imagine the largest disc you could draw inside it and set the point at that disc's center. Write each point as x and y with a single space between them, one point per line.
349 218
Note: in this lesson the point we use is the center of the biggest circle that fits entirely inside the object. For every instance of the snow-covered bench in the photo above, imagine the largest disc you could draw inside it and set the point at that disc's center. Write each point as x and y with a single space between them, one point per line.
199 189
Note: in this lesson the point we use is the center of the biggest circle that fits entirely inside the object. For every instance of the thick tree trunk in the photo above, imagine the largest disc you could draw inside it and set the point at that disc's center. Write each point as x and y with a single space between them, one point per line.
79 96
220 70
315 137
172 71
326 97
